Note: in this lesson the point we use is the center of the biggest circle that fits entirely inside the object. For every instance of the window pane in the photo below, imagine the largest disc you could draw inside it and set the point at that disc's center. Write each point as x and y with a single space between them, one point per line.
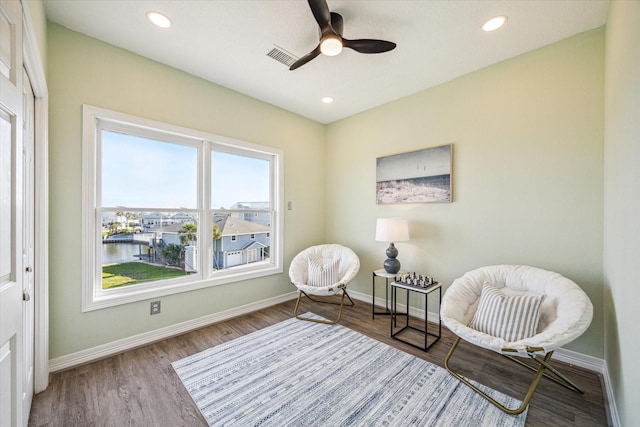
140 247
145 172
239 182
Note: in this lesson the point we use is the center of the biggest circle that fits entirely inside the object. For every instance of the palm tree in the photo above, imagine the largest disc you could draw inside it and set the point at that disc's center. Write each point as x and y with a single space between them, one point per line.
120 217
189 233
172 253
113 227
131 216
217 234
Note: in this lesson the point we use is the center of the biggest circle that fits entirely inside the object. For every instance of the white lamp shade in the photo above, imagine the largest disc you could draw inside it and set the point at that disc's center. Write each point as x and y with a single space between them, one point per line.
392 230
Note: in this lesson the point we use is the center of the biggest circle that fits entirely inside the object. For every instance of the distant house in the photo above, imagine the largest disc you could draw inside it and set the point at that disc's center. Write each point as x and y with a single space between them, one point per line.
169 234
183 218
263 218
242 241
108 217
156 219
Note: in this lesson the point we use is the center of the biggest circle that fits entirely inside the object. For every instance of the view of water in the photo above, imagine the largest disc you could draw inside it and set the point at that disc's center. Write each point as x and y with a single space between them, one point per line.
121 252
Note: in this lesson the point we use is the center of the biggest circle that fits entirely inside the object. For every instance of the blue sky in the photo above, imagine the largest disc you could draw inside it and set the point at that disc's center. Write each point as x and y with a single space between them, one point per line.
140 172
238 179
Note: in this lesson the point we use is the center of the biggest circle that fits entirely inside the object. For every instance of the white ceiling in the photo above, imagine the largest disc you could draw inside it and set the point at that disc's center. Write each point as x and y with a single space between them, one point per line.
226 42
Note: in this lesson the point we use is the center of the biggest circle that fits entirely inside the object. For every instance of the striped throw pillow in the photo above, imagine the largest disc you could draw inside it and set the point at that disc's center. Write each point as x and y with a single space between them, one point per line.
323 275
510 317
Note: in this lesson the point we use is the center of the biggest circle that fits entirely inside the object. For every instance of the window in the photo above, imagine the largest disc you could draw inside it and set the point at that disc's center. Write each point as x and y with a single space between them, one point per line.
168 209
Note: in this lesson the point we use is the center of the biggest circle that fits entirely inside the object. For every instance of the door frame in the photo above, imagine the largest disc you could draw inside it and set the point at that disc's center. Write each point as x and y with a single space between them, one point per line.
33 63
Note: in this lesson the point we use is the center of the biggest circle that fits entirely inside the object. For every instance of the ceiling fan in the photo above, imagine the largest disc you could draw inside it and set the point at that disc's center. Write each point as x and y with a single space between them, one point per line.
331 40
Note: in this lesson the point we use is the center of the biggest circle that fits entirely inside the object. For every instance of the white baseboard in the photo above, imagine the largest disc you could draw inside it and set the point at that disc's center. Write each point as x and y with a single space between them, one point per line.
105 350
118 346
580 360
380 302
610 402
115 347
600 367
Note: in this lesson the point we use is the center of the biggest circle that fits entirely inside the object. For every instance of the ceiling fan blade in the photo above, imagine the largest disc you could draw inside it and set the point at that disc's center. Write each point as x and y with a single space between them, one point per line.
308 57
337 23
321 12
369 45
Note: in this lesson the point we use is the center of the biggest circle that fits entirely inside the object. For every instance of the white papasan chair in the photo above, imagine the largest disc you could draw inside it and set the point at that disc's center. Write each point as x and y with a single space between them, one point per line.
527 293
323 270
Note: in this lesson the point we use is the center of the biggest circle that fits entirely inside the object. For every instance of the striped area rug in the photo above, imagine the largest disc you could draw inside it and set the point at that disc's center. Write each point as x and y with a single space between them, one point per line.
298 373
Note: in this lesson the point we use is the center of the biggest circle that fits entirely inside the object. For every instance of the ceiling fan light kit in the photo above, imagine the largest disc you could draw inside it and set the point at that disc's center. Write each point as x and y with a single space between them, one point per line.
331 46
331 40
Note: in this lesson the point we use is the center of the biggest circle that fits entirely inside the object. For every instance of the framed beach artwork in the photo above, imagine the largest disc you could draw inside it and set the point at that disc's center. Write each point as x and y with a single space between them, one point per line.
422 176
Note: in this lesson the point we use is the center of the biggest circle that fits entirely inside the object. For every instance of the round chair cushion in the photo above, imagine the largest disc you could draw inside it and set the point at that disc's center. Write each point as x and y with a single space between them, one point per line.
565 312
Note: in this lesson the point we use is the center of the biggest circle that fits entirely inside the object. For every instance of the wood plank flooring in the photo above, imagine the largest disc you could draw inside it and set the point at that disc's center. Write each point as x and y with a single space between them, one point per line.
140 388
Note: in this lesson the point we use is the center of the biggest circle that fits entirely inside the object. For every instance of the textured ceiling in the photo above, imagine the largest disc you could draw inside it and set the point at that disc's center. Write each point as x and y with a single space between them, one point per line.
226 42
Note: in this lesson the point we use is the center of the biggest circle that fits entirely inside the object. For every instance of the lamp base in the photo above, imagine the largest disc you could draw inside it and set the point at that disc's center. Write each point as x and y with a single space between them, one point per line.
391 265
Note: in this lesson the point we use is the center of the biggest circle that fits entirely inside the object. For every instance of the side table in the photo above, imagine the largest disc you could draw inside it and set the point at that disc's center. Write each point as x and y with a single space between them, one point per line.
394 313
386 276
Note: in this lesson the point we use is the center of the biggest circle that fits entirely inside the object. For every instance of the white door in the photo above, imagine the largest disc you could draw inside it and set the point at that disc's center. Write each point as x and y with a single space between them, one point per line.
28 243
11 345
252 255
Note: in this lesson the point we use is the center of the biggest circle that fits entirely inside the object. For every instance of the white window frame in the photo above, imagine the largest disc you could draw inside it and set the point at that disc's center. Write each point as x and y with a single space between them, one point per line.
93 296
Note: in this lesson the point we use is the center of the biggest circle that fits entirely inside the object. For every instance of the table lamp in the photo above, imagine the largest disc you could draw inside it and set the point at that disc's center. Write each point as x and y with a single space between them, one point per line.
392 230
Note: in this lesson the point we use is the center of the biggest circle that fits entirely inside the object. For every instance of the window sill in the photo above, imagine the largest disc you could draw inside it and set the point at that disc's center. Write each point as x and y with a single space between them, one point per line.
133 294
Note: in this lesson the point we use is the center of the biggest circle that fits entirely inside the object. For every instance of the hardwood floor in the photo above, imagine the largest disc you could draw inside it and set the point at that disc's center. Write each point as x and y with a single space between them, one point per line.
140 388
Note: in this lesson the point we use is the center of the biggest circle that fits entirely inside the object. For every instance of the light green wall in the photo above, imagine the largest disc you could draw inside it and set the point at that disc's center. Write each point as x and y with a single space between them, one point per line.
528 174
622 207
527 139
84 70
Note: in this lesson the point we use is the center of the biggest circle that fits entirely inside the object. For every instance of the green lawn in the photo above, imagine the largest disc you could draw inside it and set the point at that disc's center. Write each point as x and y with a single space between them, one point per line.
131 273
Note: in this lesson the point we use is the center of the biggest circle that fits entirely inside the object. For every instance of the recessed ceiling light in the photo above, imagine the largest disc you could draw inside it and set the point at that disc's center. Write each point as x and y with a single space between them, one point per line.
494 23
327 100
159 19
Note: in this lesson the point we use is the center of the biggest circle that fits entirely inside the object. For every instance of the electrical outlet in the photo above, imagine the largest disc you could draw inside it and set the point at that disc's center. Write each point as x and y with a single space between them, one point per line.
155 308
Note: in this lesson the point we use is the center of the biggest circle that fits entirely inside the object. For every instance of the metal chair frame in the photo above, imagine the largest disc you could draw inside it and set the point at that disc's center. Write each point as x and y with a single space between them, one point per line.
543 369
328 322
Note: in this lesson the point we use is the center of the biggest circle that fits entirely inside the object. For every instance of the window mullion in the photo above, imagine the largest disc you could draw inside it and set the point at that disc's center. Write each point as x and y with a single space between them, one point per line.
206 230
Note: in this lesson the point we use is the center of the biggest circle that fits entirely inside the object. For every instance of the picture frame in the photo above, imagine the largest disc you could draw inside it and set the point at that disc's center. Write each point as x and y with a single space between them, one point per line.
422 176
